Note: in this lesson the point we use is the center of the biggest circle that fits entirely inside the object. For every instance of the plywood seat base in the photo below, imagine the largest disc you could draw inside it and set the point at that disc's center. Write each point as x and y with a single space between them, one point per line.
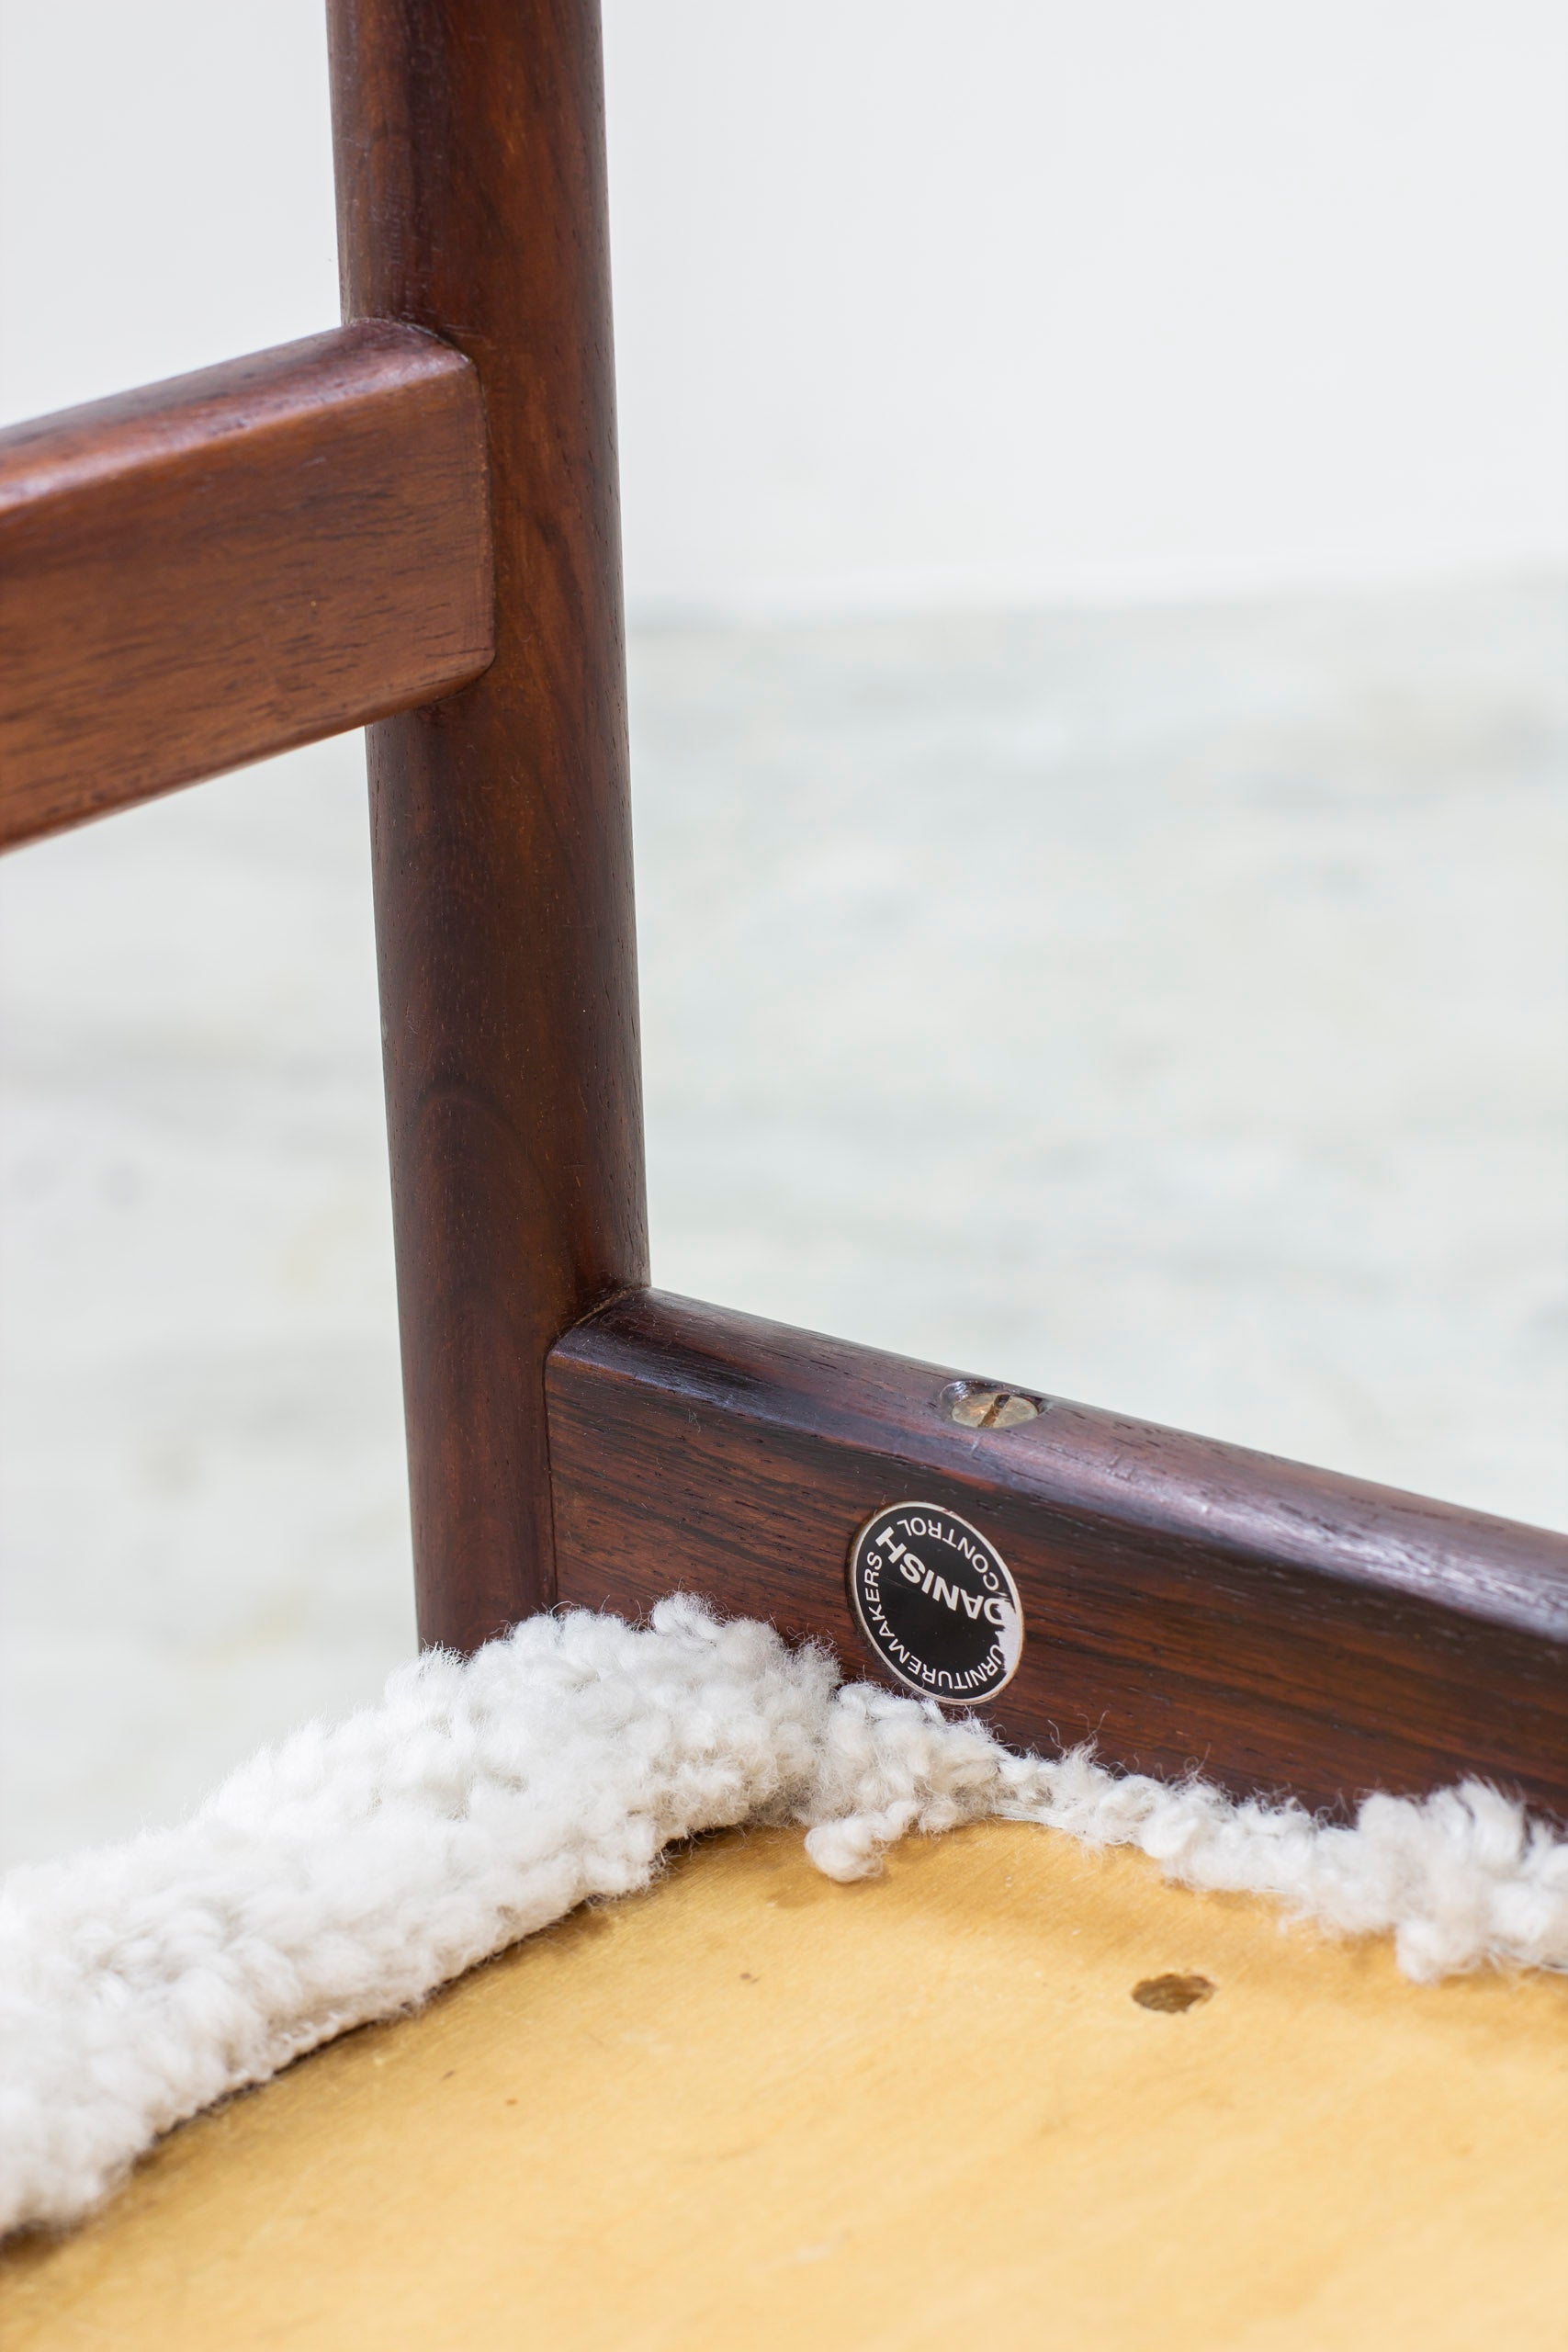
755 2109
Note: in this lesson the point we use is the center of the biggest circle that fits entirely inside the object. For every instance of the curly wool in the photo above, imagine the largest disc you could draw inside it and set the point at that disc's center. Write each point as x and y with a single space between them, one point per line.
346 1873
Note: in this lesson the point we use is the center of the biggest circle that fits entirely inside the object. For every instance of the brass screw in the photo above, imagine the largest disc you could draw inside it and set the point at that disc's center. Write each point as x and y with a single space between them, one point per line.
975 1405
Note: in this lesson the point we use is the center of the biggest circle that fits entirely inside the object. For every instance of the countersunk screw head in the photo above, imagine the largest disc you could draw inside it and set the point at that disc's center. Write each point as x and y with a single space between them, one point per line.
978 1404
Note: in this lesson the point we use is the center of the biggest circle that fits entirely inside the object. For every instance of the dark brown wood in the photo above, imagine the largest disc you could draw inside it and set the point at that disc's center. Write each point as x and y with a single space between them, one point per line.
1187 1603
472 201
211 570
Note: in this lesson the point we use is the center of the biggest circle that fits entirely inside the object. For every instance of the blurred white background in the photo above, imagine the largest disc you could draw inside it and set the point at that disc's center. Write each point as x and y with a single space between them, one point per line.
920 303
1096 517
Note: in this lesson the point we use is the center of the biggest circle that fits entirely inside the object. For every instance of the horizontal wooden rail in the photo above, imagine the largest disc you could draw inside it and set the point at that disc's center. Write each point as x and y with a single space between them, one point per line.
211 570
1185 1603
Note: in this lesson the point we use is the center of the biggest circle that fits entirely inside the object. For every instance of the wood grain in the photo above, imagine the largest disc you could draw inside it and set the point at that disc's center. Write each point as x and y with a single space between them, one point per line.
1185 1602
214 568
752 2108
472 202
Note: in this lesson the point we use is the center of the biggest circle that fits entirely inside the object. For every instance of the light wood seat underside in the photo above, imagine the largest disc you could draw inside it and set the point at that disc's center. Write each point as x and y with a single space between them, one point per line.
755 2109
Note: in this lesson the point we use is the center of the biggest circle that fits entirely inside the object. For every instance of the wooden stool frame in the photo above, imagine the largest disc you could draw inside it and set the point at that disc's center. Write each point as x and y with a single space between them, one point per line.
411 522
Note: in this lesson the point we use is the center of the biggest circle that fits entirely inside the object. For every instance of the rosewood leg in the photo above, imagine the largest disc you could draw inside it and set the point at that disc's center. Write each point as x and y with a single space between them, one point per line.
472 193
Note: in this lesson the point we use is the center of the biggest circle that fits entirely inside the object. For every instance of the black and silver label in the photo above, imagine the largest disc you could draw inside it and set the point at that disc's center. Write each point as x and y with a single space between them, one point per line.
936 1602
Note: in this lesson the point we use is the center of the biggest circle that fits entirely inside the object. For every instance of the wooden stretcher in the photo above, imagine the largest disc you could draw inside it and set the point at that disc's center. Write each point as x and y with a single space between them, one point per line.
411 522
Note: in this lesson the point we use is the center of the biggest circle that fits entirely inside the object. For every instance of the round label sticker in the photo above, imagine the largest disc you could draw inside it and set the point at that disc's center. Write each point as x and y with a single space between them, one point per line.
936 1602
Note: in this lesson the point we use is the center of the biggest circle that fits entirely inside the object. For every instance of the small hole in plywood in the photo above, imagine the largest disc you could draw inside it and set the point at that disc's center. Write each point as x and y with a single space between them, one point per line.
1172 1994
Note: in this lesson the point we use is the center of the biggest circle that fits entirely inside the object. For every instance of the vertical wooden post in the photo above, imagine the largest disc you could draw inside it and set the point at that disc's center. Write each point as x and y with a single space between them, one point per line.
471 197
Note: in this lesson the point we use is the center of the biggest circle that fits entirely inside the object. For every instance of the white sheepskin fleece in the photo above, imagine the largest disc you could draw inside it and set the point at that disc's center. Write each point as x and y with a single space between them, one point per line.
345 1874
